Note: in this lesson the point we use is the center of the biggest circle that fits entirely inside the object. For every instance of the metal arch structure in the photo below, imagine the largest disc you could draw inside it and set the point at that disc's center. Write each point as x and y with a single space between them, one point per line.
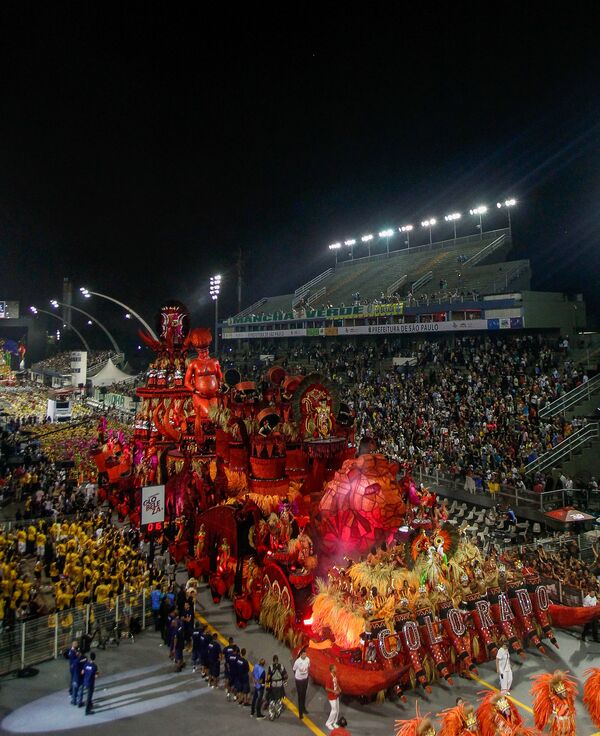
113 342
62 321
128 309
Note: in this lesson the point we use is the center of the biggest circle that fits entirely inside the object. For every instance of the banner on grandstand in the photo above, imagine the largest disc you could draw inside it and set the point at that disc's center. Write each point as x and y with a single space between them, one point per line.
552 588
153 505
411 328
78 367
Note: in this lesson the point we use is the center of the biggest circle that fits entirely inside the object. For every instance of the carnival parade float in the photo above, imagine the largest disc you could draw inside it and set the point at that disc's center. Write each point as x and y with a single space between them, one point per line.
328 545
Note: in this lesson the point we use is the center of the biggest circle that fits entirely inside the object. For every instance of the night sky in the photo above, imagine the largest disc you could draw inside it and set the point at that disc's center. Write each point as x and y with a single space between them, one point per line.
139 151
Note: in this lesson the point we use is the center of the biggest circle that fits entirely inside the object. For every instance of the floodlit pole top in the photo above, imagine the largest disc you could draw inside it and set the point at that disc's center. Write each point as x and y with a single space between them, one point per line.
453 216
429 223
352 241
479 210
335 246
33 309
507 203
366 238
406 228
386 233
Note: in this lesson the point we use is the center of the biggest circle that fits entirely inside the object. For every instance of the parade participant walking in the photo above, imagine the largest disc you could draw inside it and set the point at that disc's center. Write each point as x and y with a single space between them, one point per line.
259 676
155 600
196 641
333 694
243 674
232 669
214 661
301 668
90 672
504 669
178 645
205 639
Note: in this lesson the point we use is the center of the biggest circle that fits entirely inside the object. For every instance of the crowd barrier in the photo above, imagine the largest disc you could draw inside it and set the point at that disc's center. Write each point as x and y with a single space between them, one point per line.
30 642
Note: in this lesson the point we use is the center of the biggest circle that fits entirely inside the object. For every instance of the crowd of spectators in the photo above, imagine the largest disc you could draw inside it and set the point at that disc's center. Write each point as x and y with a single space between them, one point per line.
61 362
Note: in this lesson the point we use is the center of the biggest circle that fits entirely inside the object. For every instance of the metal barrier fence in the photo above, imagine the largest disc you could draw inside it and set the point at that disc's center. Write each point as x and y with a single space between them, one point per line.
33 641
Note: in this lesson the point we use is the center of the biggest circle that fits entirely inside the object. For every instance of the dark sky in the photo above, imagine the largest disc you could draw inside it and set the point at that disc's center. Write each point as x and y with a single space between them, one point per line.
139 150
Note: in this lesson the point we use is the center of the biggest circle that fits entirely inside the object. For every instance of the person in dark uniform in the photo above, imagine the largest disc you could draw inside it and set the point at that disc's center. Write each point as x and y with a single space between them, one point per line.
233 683
187 618
178 645
196 641
214 661
77 685
243 672
226 652
205 639
163 616
73 656
172 624
90 672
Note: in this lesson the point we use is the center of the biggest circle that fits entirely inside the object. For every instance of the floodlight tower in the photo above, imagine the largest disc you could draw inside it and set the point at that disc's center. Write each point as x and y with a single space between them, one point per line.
429 223
407 229
367 239
479 210
335 248
215 288
507 204
87 294
36 310
453 217
387 234
351 243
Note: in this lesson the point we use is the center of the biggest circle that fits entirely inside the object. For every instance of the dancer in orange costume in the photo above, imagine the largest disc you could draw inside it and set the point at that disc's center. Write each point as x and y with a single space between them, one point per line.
203 378
554 703
459 721
497 715
591 694
418 726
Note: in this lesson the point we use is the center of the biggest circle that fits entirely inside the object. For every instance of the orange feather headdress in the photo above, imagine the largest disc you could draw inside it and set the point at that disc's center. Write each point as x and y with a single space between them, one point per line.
591 694
461 720
488 709
545 690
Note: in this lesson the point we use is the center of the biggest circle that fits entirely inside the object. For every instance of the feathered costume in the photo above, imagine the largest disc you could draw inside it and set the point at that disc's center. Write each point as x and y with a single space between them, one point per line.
591 694
459 721
497 715
554 703
418 726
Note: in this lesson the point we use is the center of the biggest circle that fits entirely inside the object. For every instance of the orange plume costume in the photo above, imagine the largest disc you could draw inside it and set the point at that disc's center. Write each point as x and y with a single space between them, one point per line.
461 720
554 703
591 694
418 726
497 715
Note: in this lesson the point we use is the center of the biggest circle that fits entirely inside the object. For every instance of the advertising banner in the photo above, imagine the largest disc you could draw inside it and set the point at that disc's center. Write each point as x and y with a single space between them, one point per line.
153 505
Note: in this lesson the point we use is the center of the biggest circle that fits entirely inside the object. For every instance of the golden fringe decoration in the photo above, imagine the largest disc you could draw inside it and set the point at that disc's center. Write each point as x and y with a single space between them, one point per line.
476 647
345 621
380 697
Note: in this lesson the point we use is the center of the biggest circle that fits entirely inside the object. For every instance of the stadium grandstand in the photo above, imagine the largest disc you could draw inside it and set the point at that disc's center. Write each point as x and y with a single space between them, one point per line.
467 283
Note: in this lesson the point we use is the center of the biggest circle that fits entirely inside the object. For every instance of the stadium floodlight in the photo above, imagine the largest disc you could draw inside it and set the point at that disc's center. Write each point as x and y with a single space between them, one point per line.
335 247
480 211
215 289
127 315
407 229
453 217
91 320
367 239
87 293
387 234
429 223
33 309
507 204
90 323
351 242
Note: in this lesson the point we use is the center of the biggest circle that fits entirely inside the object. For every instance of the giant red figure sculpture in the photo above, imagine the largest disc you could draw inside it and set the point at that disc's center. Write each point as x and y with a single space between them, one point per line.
203 378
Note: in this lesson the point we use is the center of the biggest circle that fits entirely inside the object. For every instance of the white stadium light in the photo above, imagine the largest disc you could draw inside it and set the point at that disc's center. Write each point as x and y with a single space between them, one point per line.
429 223
366 238
335 246
453 216
406 228
479 210
386 233
350 242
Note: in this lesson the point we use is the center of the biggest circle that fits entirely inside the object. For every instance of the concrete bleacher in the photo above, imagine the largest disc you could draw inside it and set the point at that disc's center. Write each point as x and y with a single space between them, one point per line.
467 264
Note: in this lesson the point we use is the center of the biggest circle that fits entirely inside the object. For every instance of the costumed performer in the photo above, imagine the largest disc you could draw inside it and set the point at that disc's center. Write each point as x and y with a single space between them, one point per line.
554 703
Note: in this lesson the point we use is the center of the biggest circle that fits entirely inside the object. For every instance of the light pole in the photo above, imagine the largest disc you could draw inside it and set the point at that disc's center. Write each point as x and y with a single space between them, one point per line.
480 210
367 239
429 224
406 229
453 217
56 304
387 234
351 243
507 204
35 310
215 288
87 294
335 247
